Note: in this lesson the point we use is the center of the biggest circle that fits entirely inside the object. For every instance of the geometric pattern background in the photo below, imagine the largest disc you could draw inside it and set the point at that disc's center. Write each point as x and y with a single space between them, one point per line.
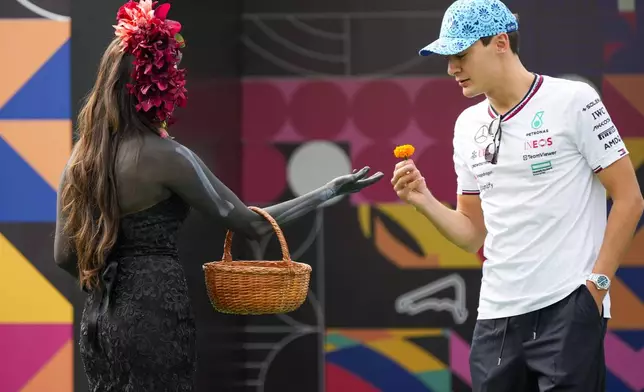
394 360
370 115
36 319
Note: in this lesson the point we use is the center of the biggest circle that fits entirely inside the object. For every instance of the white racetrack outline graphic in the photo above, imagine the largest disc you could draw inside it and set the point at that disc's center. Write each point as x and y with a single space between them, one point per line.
43 12
419 300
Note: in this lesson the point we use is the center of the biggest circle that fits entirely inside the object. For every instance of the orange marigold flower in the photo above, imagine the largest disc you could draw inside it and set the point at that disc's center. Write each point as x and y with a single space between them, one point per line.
405 151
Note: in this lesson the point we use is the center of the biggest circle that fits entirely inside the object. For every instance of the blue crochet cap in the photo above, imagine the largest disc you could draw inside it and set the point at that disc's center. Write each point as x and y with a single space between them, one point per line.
467 21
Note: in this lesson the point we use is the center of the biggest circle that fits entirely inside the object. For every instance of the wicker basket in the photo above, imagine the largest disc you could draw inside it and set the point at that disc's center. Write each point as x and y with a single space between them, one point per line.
257 287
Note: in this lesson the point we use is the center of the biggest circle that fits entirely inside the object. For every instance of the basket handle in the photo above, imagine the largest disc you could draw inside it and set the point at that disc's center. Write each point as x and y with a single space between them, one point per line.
228 242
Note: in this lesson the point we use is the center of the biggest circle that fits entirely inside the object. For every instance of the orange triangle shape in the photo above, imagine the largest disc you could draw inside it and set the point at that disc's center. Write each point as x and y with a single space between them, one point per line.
626 309
29 43
365 335
625 116
635 147
397 252
635 255
437 252
631 87
44 145
57 375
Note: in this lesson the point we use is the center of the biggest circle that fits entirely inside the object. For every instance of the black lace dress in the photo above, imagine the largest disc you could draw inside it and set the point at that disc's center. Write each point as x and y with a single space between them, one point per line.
138 330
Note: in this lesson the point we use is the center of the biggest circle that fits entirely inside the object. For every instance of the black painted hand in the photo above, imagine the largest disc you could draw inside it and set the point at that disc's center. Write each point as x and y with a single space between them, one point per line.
353 182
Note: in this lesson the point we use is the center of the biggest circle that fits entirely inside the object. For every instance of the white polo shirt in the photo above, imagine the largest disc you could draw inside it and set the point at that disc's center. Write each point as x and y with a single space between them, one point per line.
544 207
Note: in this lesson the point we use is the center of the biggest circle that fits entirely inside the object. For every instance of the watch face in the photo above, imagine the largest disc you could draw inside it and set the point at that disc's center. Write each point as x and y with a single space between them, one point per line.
602 281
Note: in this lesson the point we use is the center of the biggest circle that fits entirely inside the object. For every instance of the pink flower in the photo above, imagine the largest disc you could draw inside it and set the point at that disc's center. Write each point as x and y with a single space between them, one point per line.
162 11
155 43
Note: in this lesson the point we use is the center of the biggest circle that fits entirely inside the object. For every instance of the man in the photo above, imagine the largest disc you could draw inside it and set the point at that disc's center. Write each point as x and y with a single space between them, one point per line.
533 162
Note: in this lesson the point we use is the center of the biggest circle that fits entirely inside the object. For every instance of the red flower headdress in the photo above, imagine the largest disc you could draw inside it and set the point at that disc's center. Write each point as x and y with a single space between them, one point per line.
155 43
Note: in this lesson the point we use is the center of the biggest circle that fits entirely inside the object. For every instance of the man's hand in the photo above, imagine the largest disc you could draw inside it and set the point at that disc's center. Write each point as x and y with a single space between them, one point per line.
597 294
409 184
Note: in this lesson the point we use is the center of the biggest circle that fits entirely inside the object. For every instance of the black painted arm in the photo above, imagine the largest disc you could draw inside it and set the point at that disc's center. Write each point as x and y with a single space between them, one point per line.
64 254
183 172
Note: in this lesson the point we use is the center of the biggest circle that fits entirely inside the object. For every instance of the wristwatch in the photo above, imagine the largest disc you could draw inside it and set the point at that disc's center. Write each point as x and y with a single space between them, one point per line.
600 281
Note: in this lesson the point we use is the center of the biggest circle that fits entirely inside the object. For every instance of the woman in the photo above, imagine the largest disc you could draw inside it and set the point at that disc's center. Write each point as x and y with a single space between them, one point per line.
124 194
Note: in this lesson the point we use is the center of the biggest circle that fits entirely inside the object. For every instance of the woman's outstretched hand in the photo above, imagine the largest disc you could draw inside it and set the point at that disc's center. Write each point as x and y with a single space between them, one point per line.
354 182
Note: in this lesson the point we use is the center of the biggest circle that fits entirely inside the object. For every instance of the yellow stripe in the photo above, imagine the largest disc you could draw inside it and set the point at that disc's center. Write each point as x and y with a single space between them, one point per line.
406 354
364 218
429 238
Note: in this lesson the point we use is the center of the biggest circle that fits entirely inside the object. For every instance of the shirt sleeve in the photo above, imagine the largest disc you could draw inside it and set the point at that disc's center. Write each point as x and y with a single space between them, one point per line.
596 135
466 183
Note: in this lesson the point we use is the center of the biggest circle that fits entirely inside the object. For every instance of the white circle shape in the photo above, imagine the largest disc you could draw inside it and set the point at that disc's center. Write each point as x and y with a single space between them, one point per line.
315 163
43 12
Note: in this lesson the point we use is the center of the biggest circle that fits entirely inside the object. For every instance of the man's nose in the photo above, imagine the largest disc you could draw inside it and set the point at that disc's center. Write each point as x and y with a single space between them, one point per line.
453 66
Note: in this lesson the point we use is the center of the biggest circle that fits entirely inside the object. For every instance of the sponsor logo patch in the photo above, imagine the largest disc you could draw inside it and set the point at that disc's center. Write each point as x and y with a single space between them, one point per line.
541 168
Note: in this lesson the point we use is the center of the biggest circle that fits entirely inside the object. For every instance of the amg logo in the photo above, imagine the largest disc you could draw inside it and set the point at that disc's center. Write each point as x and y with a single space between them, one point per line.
606 133
601 124
612 142
590 105
598 113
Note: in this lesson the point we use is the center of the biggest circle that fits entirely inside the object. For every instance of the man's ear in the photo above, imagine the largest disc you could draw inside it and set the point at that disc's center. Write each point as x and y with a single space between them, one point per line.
502 43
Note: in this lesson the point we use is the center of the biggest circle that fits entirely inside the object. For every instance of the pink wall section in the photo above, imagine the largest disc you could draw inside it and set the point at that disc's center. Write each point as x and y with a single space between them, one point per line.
372 116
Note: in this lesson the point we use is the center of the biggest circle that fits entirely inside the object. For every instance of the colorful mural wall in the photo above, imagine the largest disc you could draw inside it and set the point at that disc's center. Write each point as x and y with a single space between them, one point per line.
393 301
36 319
328 87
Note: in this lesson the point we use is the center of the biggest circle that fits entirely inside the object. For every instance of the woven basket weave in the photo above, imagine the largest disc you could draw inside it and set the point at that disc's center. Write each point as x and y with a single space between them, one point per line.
257 287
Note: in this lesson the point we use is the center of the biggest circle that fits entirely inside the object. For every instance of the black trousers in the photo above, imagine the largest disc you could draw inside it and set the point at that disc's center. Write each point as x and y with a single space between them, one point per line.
557 348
